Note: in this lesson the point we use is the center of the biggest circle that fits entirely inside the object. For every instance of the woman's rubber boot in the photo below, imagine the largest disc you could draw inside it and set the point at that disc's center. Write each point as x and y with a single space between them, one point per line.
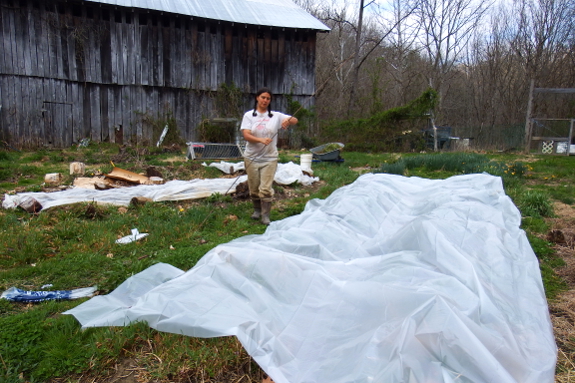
257 209
266 208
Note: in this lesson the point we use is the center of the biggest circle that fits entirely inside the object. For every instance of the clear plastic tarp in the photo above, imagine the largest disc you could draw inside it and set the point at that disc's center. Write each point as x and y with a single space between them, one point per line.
389 279
176 190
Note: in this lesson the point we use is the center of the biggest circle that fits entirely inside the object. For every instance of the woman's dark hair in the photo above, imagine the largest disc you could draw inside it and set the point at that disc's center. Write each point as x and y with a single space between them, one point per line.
258 93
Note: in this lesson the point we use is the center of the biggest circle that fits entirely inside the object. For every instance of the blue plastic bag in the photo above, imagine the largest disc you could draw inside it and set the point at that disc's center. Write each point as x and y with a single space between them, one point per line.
17 295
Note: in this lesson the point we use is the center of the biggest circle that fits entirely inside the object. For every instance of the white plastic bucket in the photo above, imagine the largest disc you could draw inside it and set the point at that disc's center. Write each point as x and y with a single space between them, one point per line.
305 161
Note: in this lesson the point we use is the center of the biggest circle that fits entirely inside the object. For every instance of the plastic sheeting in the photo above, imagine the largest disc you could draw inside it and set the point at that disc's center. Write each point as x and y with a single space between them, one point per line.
390 279
170 191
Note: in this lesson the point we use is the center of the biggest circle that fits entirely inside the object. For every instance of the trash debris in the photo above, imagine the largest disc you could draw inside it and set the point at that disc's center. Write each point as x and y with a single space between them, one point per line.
17 295
53 178
286 174
226 167
84 142
135 236
77 168
126 175
162 136
30 204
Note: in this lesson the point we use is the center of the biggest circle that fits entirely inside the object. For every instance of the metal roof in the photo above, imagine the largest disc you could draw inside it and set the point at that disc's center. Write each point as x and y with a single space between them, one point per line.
276 13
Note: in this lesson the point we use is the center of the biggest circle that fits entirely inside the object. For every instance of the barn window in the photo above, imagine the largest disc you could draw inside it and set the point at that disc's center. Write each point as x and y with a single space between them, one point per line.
201 27
23 4
275 34
105 14
117 17
177 23
260 34
166 21
89 12
128 18
76 10
213 29
61 9
143 19
154 20
36 4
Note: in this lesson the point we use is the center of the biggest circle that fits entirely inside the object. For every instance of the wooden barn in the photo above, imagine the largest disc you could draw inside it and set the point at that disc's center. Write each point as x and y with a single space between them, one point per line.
113 70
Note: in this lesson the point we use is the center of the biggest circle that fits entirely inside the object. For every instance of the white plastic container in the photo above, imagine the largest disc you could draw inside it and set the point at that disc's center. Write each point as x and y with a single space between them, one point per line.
305 161
77 168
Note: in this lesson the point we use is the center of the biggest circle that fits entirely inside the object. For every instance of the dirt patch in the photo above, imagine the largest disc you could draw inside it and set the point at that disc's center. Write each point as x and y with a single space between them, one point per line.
562 309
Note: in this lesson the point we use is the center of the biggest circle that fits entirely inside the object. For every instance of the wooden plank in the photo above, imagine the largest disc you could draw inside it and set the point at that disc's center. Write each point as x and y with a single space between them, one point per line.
202 60
94 72
193 52
114 48
37 96
30 57
228 54
104 116
166 55
105 52
96 123
38 40
111 116
24 107
125 52
76 98
18 113
144 32
58 31
8 103
68 114
45 32
4 42
252 79
281 65
51 30
47 114
157 61
11 51
261 66
22 42
4 134
118 113
557 139
132 54
126 115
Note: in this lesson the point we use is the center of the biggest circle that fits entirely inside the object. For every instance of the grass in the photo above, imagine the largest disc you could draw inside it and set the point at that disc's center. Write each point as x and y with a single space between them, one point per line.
74 246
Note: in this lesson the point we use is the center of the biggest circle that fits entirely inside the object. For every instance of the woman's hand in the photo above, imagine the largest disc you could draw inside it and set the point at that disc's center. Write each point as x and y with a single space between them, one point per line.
266 141
289 121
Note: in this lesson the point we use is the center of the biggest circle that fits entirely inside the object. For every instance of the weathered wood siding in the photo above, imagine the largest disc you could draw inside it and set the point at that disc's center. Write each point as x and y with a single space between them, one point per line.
73 70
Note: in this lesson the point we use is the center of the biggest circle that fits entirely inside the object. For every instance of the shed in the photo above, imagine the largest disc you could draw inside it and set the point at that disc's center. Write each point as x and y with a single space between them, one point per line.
114 70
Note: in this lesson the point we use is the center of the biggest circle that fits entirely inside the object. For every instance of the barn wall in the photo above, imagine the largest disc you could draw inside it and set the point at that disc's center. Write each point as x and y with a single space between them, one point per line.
70 71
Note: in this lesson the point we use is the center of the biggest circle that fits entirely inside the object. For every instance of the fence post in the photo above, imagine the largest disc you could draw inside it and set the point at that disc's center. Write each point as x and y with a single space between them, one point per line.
528 118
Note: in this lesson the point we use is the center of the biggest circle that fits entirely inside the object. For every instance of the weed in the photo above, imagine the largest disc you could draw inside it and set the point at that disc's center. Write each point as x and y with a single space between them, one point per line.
534 204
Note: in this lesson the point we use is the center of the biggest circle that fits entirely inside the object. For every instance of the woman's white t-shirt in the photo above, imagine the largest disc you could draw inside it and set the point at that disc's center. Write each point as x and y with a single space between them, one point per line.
262 126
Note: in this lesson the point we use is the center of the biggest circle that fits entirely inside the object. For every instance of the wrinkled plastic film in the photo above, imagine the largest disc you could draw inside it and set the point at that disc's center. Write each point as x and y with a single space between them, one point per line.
390 279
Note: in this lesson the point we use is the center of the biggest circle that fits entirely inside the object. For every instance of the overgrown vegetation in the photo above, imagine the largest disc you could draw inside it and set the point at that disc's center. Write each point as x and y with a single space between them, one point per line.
74 246
396 129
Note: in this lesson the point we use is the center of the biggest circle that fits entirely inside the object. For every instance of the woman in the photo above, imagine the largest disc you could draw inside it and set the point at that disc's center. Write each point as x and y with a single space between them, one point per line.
260 128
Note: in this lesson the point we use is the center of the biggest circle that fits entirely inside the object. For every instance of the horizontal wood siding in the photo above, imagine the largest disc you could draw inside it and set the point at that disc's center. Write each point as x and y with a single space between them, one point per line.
73 70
